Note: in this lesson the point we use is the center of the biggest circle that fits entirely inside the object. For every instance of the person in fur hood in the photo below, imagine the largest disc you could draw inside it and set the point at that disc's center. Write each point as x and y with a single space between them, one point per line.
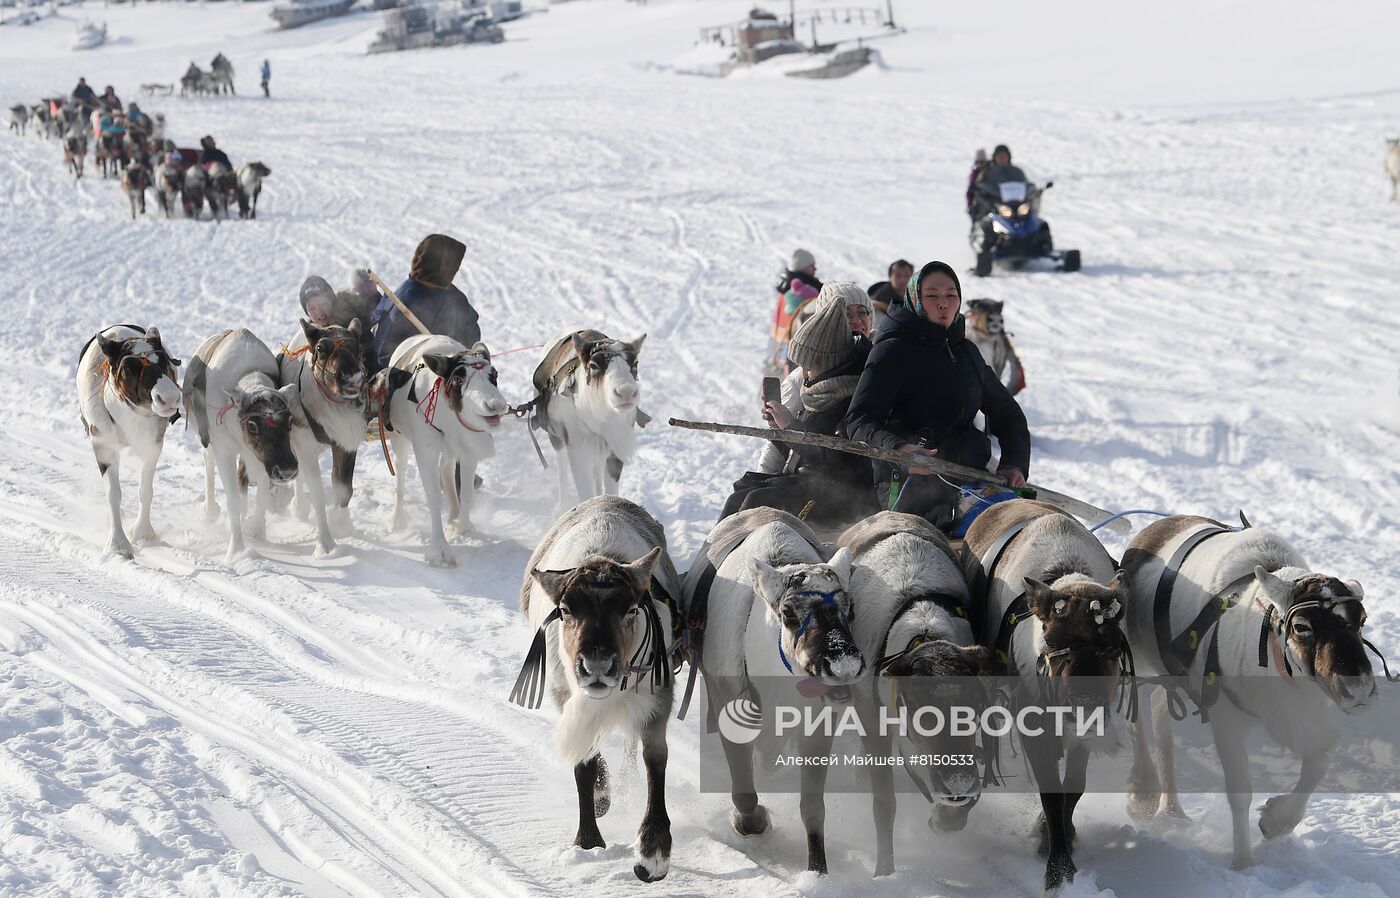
921 390
430 295
831 359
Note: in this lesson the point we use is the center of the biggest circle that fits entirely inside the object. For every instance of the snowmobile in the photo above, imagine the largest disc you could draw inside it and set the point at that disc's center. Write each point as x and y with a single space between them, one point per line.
1018 234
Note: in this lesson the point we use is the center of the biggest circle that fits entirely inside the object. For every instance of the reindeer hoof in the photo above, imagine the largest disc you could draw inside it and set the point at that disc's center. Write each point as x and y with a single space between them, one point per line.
326 550
588 841
440 557
1279 816
754 823
121 549
397 521
1059 871
301 510
652 870
1173 810
145 533
885 867
209 512
1242 861
1143 805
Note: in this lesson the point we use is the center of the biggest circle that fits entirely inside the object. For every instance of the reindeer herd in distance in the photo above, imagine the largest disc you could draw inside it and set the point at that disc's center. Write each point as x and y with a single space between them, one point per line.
1031 594
132 145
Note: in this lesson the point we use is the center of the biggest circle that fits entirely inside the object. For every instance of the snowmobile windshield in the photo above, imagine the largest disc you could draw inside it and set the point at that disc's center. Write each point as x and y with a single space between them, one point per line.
1013 191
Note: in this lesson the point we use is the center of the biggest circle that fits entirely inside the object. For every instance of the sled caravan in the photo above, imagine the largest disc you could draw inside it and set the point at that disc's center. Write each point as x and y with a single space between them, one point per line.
770 609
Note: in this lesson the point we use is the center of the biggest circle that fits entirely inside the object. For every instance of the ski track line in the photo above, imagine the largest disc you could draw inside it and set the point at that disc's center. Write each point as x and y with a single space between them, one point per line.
325 777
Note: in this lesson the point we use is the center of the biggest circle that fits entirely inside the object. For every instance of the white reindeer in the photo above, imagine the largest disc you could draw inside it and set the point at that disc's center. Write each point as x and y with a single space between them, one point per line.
587 395
444 402
244 423
168 184
1066 630
196 181
326 365
775 613
19 118
250 178
127 395
1282 619
599 592
913 619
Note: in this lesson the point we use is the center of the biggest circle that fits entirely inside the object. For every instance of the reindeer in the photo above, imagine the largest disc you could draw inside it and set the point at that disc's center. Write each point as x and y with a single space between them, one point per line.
599 591
250 178
775 613
244 423
986 328
74 152
914 614
326 364
586 401
127 396
1392 167
19 118
168 181
220 184
426 373
1050 604
1215 605
135 179
192 191
43 116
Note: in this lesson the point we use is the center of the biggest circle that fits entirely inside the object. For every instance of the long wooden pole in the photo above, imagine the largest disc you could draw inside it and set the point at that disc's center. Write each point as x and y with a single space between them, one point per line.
407 313
953 471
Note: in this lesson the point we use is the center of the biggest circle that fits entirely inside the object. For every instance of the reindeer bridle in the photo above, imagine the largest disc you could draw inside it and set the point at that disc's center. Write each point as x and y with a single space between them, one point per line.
162 358
463 372
319 360
827 598
1282 623
602 355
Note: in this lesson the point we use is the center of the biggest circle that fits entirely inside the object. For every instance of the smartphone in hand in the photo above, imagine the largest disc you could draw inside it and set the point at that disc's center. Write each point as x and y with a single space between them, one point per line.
772 390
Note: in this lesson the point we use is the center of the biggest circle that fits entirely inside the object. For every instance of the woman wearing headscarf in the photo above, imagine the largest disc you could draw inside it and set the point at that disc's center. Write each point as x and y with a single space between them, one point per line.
836 483
921 390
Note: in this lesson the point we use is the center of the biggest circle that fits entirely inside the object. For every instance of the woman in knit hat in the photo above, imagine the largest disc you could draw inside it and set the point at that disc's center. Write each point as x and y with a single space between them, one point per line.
831 358
921 391
859 315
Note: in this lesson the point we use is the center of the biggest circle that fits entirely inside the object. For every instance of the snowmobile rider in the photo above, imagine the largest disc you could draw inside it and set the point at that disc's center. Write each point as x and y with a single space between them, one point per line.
430 295
987 194
921 391
210 153
979 165
831 359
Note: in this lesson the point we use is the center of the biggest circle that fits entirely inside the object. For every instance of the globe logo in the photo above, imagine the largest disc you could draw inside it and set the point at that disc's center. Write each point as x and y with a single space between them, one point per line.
740 721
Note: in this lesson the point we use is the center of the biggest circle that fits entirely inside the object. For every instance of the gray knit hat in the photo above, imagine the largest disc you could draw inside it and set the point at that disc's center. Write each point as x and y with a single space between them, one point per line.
824 340
801 259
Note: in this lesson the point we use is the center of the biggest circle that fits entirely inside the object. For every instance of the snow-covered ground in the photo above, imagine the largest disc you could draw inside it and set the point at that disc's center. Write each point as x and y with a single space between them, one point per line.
300 726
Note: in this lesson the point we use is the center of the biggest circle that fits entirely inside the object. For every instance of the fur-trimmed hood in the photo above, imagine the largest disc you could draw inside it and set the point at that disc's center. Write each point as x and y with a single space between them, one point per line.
436 261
